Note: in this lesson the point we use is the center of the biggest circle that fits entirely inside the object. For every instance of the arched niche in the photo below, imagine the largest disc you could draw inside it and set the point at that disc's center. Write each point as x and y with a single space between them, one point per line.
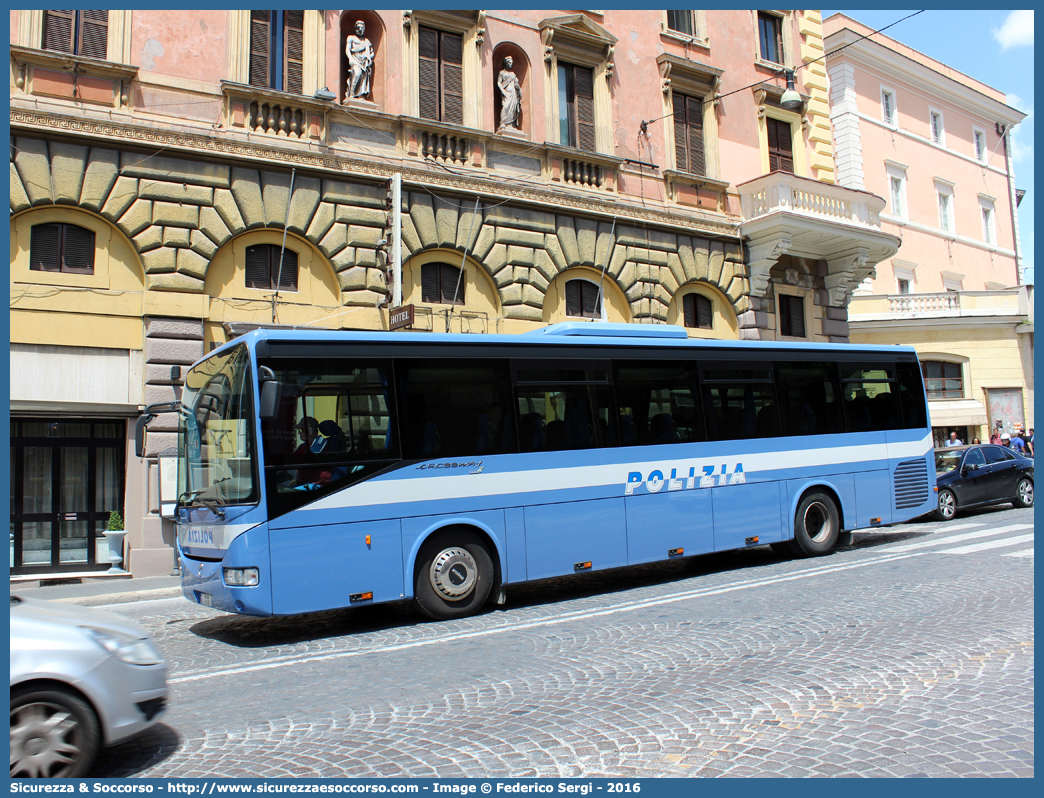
317 298
617 307
480 293
117 266
521 68
724 324
375 33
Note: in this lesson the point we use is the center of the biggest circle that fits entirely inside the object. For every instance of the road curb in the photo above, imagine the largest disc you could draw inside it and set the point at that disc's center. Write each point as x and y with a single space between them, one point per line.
122 598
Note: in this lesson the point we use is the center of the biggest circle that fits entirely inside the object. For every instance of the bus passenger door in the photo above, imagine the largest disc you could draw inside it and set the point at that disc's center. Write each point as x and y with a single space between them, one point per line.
561 538
747 511
658 524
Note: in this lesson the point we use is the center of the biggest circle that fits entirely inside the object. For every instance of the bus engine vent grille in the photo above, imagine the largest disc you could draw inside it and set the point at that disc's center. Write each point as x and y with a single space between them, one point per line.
911 484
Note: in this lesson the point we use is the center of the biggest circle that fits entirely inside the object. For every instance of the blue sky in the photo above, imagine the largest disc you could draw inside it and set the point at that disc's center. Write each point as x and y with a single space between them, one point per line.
995 47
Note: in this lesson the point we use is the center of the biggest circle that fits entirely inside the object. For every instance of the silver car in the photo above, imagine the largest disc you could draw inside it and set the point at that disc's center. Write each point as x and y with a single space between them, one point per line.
80 679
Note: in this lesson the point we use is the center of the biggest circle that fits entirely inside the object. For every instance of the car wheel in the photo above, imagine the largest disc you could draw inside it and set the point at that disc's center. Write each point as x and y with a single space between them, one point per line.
54 734
1024 493
454 575
947 508
817 525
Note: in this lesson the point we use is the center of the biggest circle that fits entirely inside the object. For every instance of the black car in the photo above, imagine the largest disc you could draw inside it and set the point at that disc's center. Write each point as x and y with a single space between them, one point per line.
975 476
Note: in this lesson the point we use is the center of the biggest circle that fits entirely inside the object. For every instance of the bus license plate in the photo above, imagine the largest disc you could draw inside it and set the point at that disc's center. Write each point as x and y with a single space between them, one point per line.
206 599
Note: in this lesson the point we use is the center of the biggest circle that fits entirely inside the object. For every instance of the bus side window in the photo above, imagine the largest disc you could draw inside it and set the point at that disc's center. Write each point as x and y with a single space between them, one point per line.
740 403
809 398
658 402
870 397
911 395
456 408
570 417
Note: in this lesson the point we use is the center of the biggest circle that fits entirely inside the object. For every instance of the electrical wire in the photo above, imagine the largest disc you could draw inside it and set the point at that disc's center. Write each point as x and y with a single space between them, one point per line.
782 70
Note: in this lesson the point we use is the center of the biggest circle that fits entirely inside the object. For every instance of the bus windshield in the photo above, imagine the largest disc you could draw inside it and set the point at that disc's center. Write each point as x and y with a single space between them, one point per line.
216 433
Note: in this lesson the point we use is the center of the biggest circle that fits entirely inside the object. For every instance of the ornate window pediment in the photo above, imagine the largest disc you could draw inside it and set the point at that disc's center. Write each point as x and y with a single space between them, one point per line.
577 39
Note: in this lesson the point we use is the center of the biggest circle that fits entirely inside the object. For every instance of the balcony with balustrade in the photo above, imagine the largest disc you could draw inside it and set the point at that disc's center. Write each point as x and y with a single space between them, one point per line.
1004 306
787 214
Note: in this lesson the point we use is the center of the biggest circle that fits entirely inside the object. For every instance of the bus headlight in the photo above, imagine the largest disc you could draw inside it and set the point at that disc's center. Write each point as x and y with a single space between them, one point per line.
241 577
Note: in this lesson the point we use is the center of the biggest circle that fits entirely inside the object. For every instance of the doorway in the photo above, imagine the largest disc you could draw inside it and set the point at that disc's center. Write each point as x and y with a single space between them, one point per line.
66 477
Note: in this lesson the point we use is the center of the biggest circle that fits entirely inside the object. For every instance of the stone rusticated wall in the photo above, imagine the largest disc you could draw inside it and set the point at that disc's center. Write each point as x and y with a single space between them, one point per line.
178 212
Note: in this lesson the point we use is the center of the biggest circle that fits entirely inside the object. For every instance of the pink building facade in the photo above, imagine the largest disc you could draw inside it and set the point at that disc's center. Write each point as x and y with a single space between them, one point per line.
935 143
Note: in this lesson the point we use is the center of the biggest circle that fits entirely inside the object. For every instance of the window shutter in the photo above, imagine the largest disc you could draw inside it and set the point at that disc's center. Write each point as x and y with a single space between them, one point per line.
572 291
44 247
704 313
259 46
429 73
449 284
589 295
293 35
452 61
58 31
792 316
780 146
287 277
583 82
681 152
695 125
430 282
78 250
257 274
94 34
689 305
688 133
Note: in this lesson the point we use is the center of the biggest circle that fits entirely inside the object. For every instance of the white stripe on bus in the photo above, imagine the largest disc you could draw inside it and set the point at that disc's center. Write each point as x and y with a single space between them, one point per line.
396 489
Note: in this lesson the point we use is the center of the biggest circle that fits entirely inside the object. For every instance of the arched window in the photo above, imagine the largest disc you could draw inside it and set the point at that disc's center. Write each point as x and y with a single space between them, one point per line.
440 283
77 32
582 299
263 269
699 311
61 247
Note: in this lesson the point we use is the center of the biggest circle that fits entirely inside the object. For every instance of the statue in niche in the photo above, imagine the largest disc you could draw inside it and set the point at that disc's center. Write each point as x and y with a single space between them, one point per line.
360 63
510 96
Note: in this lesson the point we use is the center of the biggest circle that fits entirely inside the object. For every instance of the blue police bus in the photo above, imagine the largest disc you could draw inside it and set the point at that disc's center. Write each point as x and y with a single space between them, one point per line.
329 469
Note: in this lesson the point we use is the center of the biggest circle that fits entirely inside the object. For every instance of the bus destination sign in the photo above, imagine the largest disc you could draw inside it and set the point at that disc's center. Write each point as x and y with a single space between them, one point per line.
401 317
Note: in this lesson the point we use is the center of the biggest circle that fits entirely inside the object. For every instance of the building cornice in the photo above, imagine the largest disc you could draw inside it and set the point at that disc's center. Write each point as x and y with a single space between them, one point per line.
934 84
320 159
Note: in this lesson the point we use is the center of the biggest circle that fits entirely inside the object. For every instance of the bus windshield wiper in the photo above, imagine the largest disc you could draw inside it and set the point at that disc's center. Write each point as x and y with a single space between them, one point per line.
214 506
188 496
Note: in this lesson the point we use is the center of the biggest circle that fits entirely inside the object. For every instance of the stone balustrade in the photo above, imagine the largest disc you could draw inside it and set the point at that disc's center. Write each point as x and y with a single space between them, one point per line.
902 305
445 147
272 113
781 191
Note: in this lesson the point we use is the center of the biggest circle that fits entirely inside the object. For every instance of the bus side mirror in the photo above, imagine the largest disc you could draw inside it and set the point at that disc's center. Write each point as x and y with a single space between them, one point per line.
139 435
271 393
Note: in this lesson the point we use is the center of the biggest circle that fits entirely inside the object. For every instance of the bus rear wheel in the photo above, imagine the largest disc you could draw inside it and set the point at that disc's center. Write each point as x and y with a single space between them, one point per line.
454 575
817 525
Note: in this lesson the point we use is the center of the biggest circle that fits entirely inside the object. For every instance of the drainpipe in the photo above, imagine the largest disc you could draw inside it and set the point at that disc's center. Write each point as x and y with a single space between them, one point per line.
1011 203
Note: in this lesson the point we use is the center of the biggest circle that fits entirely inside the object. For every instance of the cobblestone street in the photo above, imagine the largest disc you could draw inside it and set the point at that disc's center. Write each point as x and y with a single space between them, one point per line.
909 653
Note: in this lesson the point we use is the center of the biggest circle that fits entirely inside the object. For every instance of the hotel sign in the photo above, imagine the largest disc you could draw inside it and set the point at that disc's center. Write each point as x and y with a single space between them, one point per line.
401 317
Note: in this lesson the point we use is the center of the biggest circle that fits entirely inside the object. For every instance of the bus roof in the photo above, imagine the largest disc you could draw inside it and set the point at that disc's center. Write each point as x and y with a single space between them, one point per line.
562 334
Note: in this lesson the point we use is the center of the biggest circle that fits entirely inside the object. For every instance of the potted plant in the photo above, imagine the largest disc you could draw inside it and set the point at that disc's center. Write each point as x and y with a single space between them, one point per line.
114 534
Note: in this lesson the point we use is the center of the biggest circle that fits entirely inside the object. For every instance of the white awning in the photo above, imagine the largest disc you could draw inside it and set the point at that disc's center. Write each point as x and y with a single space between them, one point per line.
957 413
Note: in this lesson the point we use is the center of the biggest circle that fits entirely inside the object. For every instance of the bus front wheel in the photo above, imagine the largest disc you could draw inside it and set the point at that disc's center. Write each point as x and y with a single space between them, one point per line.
817 525
454 575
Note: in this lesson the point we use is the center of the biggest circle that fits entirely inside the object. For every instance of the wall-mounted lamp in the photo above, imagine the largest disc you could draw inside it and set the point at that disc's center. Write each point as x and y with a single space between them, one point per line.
791 100
325 94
